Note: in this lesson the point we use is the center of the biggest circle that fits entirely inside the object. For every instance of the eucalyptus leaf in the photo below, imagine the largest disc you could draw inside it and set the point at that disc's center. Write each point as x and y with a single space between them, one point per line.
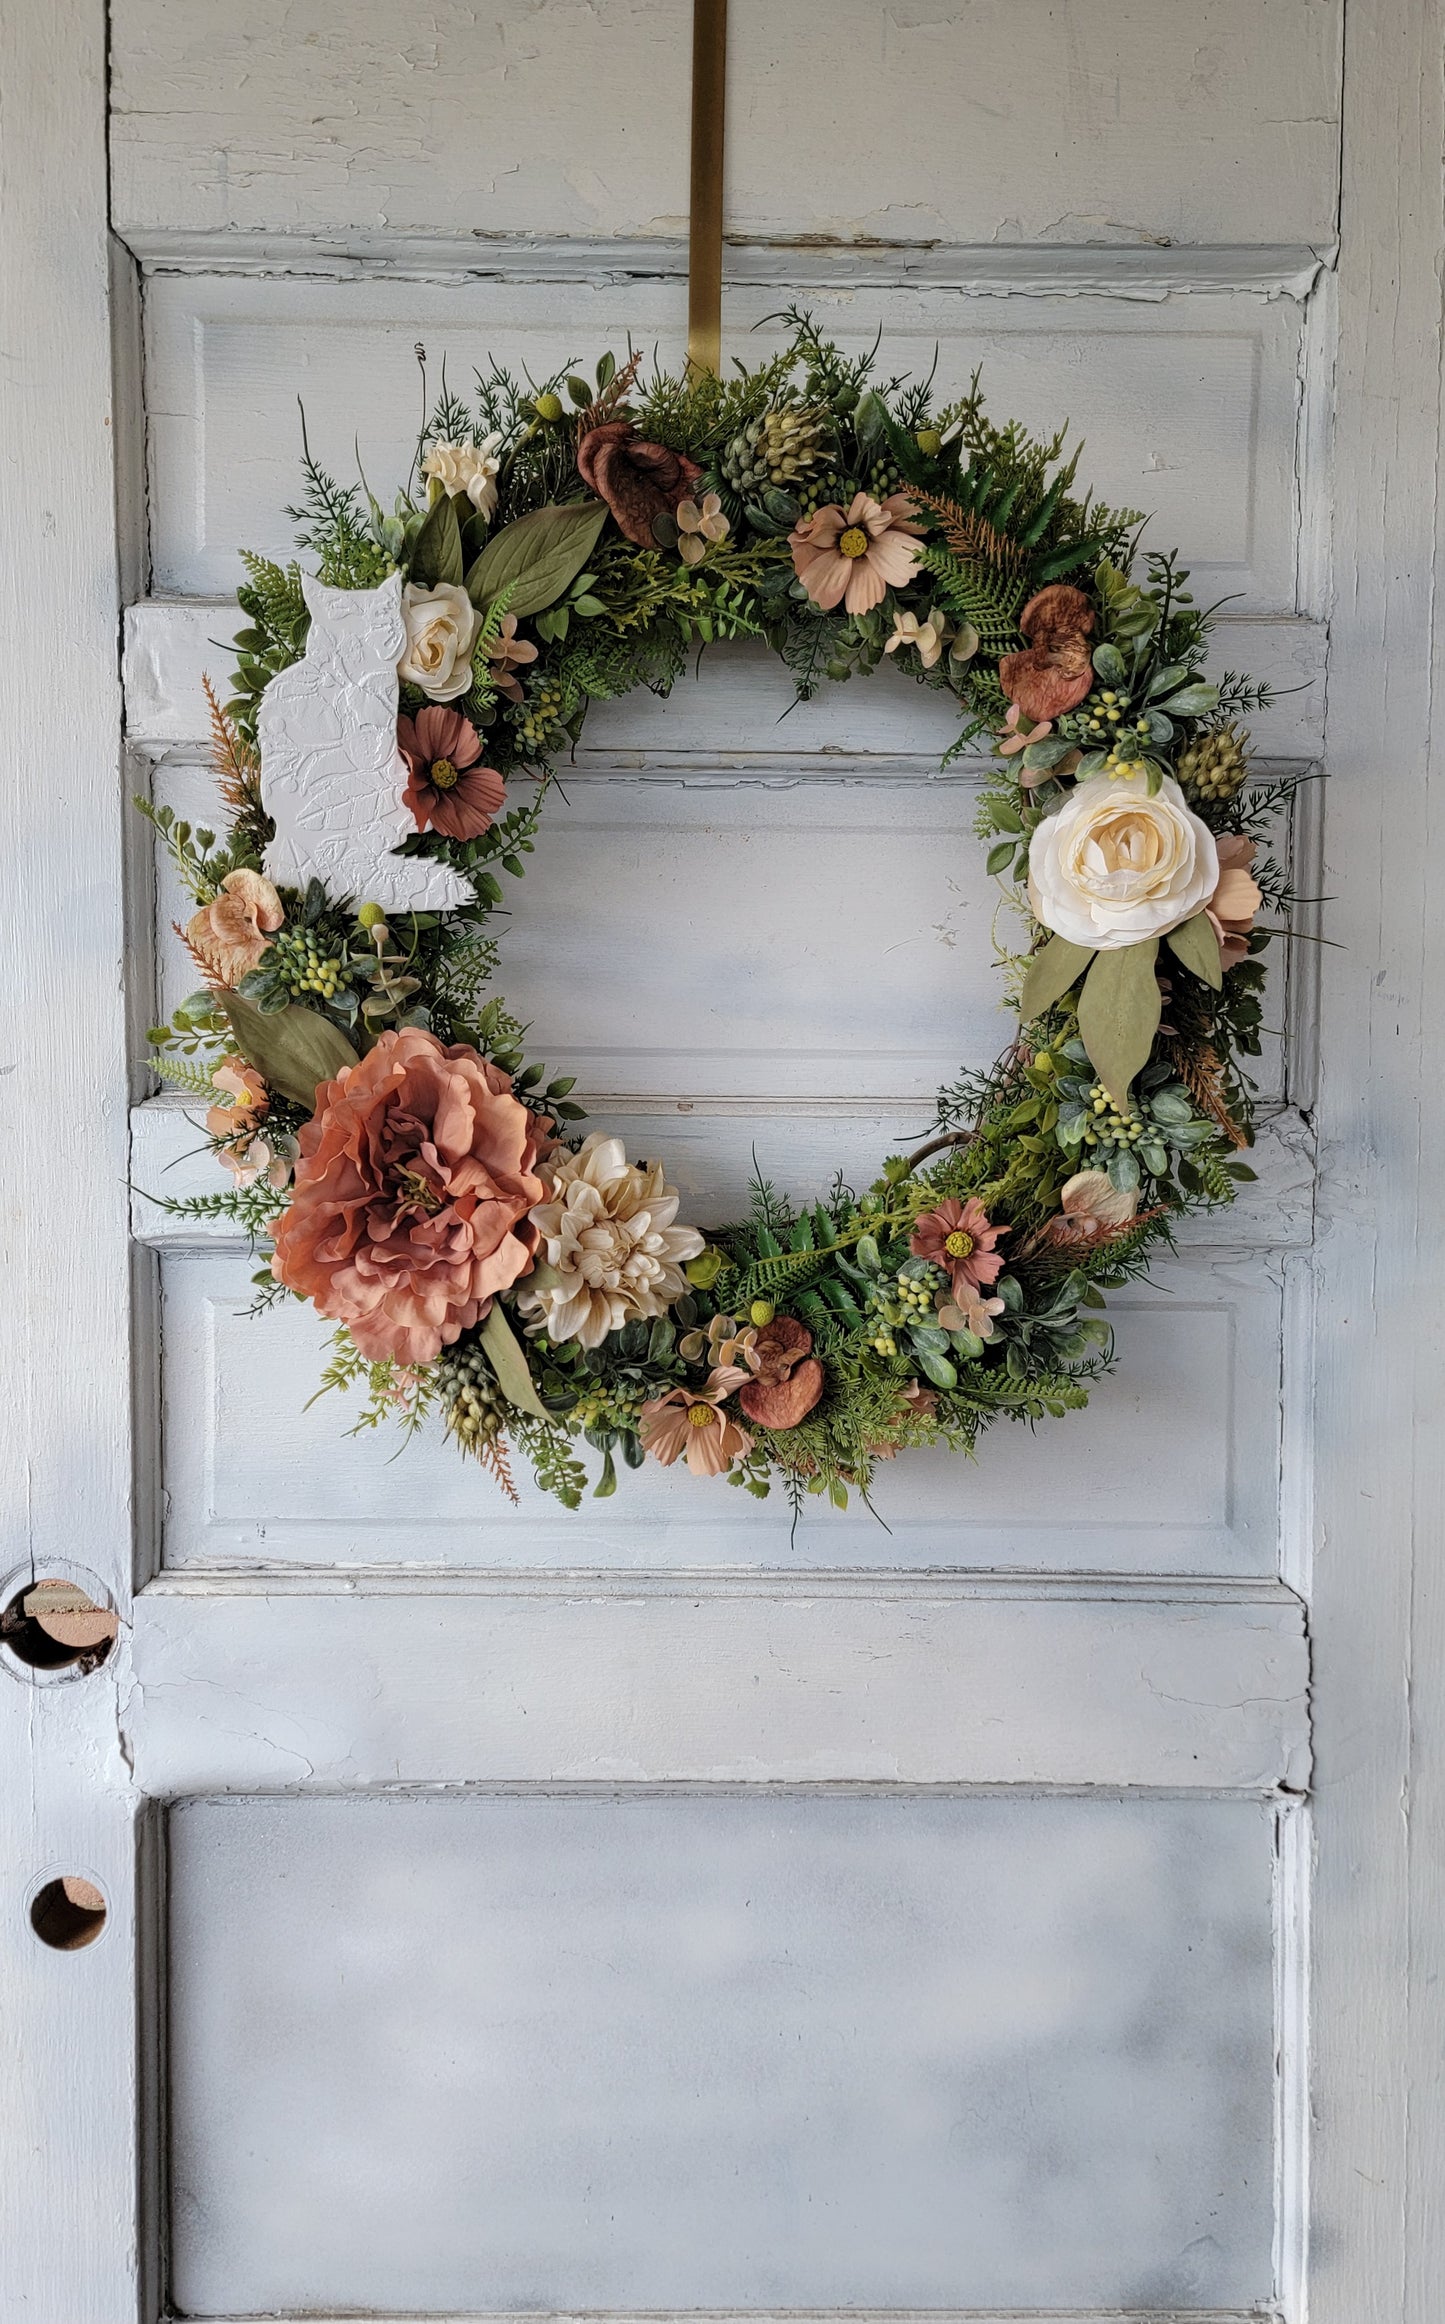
1051 973
437 555
1164 681
940 1371
510 1364
537 557
1192 702
295 1049
1109 663
1119 1011
1048 753
1197 945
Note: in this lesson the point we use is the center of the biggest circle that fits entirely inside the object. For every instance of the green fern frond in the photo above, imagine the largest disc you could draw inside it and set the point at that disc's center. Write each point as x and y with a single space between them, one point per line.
976 593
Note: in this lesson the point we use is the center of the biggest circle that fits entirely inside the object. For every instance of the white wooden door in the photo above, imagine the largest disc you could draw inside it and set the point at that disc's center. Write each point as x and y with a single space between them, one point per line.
1021 1912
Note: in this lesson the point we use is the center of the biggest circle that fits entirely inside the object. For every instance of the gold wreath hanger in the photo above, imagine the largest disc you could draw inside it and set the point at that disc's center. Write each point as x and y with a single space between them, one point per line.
705 214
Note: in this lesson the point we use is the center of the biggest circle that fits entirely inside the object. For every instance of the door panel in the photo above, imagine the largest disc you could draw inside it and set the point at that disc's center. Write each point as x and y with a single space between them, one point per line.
719 2052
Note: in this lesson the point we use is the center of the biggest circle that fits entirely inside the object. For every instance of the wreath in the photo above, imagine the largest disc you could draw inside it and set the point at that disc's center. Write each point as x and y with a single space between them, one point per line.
431 1192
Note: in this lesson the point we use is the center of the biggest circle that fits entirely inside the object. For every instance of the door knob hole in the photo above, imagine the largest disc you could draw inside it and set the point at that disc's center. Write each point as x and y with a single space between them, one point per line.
56 1625
67 1914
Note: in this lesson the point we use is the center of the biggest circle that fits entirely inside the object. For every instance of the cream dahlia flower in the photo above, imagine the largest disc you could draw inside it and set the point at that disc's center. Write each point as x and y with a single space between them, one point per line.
609 1251
1117 865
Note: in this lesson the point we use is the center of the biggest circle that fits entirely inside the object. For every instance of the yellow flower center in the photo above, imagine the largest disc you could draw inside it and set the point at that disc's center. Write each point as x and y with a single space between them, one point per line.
853 542
701 1415
444 775
420 1191
958 1244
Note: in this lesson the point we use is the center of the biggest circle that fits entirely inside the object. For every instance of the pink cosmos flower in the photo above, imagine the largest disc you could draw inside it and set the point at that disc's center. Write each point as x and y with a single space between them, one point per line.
690 1422
448 791
958 1236
853 559
1235 901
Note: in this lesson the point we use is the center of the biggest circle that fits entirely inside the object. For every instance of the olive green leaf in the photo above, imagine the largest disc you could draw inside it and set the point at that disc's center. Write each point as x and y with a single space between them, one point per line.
1051 972
294 1048
510 1365
1197 945
437 555
538 556
1119 1015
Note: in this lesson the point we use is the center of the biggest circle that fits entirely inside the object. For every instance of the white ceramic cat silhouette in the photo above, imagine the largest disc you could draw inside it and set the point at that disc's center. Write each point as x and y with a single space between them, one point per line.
331 774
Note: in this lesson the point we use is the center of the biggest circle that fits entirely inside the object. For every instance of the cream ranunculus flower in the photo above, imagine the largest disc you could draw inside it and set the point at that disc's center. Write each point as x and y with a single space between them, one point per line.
609 1250
1115 866
441 629
468 468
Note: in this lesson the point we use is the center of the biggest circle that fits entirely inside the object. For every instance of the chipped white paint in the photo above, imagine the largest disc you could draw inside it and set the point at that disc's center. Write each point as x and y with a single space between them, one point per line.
331 774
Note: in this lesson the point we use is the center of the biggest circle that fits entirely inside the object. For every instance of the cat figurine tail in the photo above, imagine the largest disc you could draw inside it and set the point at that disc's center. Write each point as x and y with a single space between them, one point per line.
332 776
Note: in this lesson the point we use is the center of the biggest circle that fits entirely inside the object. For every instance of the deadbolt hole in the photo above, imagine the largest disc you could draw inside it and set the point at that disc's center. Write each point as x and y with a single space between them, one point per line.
67 1914
52 1625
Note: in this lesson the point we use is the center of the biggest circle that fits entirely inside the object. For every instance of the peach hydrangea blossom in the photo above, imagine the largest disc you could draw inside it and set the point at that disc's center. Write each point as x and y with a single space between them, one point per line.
698 526
229 935
690 1422
409 1212
242 1147
853 557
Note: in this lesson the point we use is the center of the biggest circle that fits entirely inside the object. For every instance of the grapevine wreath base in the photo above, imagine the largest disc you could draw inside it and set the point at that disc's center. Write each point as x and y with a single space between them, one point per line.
431 1193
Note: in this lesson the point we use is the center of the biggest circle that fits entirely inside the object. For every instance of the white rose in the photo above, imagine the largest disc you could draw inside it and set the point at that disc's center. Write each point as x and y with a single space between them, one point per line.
1115 866
441 629
468 468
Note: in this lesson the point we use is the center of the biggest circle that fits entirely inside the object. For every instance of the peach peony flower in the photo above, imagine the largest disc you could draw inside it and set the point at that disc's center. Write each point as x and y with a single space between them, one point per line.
508 653
854 559
229 935
958 1236
409 1214
690 1421
447 789
1236 899
1057 670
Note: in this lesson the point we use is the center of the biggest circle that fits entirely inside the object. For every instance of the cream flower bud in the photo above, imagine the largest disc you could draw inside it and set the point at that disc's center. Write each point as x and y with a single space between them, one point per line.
1116 865
468 468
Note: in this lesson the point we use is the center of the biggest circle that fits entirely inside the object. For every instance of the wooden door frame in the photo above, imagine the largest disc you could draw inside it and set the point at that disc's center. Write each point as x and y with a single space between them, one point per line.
77 2213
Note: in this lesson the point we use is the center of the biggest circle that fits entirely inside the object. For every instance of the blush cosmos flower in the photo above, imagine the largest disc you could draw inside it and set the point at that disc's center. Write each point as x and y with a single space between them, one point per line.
853 558
447 791
690 1423
409 1211
959 1237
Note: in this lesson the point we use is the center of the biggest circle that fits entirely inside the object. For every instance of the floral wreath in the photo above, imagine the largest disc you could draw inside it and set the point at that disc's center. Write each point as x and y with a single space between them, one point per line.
429 1191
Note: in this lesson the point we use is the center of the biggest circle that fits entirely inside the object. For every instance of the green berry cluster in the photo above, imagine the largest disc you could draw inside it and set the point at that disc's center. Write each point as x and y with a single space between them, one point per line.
1110 1126
476 1409
541 726
304 963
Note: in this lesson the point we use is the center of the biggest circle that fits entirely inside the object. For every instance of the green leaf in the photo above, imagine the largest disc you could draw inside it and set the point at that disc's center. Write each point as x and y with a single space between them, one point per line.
940 1371
538 556
1051 973
1119 1012
1191 702
1164 681
438 552
510 1364
1000 857
1109 663
295 1048
1198 947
